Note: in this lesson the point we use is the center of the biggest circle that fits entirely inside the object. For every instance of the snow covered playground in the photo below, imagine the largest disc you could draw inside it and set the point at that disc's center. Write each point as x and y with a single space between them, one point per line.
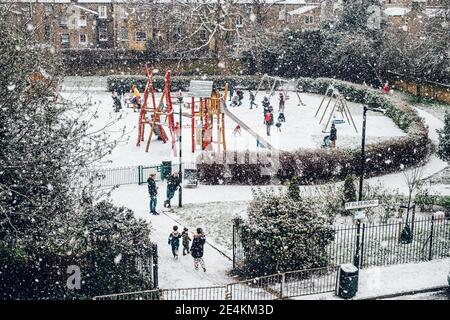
213 207
301 130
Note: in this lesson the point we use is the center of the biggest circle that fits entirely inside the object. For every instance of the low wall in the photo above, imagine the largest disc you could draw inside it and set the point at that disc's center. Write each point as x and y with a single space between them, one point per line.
428 90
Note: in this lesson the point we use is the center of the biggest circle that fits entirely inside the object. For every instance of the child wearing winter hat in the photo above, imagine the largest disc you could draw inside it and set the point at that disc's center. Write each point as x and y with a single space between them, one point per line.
186 240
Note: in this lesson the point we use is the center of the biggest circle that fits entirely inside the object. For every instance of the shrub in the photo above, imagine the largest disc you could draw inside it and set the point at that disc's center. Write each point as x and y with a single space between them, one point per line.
444 139
282 234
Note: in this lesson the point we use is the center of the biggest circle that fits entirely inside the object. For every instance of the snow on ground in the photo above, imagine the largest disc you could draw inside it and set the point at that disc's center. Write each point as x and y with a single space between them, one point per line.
396 279
301 129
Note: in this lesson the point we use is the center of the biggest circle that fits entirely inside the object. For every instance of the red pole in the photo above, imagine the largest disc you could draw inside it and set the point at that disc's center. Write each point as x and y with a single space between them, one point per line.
193 123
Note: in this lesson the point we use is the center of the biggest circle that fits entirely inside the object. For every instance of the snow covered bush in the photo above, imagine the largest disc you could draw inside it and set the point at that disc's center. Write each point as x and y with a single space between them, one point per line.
444 139
282 234
48 219
349 189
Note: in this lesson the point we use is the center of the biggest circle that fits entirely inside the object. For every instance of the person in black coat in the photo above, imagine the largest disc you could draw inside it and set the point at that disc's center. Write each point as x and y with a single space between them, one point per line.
333 135
153 192
198 242
173 182
117 103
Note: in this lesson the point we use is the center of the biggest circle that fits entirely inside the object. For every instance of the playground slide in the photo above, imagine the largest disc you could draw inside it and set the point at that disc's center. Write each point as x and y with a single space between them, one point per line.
261 140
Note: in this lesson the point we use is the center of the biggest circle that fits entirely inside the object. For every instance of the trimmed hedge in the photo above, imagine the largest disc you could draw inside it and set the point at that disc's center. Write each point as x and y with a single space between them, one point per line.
319 165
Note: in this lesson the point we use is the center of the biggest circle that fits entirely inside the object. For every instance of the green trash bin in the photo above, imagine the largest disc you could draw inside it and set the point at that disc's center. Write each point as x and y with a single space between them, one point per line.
166 169
348 281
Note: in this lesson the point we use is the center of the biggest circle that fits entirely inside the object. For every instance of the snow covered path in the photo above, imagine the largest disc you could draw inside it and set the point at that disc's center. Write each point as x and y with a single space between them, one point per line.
397 279
173 273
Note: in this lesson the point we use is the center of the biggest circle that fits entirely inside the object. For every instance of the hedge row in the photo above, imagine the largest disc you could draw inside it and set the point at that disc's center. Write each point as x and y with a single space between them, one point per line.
317 165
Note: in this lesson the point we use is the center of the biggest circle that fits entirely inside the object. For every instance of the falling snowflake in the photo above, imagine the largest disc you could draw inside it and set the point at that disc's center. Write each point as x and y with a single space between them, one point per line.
118 258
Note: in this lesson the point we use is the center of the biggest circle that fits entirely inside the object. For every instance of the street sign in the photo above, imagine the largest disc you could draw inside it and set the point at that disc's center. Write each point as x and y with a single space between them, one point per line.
361 204
200 88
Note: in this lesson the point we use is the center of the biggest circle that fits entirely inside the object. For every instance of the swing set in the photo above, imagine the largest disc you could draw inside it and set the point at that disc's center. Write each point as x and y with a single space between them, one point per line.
339 105
285 86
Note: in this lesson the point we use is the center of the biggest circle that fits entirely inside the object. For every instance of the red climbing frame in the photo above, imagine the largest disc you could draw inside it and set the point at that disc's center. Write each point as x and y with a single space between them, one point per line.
143 120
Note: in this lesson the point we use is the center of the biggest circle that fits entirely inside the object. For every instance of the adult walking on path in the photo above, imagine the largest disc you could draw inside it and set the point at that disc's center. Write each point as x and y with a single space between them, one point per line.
173 182
153 192
197 249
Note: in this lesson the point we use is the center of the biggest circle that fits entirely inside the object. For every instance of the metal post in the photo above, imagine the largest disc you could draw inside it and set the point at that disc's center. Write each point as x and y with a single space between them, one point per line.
234 245
360 196
430 251
155 266
140 175
180 169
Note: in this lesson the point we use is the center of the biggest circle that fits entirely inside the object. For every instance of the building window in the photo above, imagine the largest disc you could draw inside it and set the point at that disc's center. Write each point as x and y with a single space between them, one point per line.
202 35
141 36
63 22
282 15
309 19
47 32
177 34
65 40
83 38
124 33
82 21
102 34
102 12
239 22
48 10
124 13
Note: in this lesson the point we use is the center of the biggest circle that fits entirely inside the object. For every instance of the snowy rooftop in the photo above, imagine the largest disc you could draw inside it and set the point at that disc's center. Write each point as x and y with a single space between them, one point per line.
396 11
302 10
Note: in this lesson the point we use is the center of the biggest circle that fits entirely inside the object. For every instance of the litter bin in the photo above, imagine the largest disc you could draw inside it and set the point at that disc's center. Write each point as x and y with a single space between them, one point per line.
348 281
166 169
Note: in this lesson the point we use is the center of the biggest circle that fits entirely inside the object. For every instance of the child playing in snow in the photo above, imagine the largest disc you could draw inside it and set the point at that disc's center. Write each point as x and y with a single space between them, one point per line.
186 240
240 95
117 104
278 125
235 101
252 101
282 101
237 130
136 101
174 241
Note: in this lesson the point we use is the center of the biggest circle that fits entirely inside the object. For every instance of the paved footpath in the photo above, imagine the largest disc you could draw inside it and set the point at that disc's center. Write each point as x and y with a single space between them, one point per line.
173 273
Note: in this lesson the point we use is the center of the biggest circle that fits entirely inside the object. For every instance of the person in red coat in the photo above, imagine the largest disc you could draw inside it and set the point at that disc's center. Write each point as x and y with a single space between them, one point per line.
386 88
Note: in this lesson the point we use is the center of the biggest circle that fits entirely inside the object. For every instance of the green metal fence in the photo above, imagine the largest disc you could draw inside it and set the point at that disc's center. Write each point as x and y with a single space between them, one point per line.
381 244
107 177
